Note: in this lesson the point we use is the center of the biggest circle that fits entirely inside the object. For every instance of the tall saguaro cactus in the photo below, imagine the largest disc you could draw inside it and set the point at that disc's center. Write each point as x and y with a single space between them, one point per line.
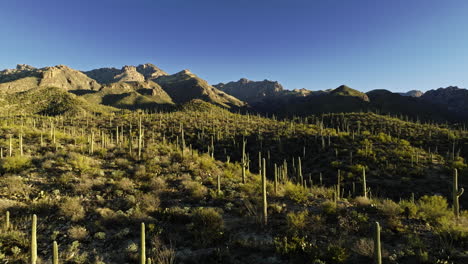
244 160
142 244
140 138
264 193
377 246
55 258
34 240
364 185
456 193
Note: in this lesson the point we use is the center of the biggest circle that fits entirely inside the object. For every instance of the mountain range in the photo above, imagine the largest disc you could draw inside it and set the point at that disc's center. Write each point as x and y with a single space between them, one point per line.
61 89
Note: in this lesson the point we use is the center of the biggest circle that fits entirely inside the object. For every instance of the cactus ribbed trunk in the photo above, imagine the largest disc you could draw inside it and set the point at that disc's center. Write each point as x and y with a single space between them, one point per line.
7 220
142 244
140 138
244 160
456 193
264 193
364 185
34 240
55 257
377 246
219 183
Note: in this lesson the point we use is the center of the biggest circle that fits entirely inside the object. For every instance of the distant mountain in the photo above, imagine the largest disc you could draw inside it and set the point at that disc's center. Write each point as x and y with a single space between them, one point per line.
452 98
386 102
185 86
131 87
25 77
251 91
412 93
340 99
126 74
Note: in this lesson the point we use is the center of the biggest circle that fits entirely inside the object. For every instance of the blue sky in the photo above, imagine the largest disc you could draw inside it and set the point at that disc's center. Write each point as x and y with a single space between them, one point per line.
367 44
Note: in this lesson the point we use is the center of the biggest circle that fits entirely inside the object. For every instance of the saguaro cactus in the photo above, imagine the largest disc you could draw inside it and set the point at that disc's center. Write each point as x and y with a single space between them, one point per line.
244 160
55 257
456 193
377 246
264 193
142 244
7 220
364 186
34 240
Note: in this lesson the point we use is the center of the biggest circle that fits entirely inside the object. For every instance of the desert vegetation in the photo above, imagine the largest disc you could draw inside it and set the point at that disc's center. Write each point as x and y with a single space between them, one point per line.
203 185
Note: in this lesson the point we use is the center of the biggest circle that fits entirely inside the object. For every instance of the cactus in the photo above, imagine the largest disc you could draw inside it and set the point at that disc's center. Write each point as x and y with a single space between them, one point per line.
55 256
244 160
264 193
299 170
21 143
338 187
219 183
276 178
7 220
148 261
456 193
140 138
33 240
377 246
142 244
364 186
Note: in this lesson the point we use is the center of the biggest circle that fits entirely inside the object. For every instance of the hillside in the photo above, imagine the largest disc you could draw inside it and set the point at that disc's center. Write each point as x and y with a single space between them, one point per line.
92 181
185 86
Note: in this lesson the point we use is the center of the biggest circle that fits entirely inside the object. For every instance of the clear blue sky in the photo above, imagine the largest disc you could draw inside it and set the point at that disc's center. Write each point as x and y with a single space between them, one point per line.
366 44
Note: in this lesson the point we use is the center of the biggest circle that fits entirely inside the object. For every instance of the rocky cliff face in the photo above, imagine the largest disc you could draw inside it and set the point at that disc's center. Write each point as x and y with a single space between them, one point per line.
25 77
140 73
251 91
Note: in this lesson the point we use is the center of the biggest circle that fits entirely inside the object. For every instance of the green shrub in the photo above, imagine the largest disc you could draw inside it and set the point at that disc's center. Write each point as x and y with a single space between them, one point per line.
207 226
329 207
297 222
296 192
196 189
433 209
15 163
408 208
389 208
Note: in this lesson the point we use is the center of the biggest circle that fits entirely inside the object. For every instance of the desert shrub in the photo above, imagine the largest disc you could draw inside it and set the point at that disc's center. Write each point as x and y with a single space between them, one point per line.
329 207
196 189
336 254
389 208
157 184
15 185
408 208
296 192
297 222
71 207
15 163
125 184
164 254
148 202
81 163
78 233
140 171
364 247
362 201
433 209
207 225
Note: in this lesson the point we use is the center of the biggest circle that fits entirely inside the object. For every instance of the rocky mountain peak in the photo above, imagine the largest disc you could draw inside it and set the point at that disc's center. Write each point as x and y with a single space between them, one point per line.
25 67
